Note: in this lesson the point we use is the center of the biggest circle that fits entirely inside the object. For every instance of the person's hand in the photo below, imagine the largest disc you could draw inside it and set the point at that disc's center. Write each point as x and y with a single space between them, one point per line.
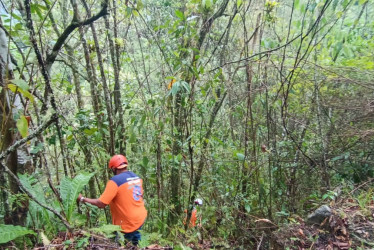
79 198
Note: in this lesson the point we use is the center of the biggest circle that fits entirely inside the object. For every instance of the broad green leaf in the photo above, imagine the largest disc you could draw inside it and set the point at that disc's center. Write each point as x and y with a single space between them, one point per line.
175 88
42 7
186 86
179 14
239 3
10 232
14 88
345 3
207 3
139 4
28 182
247 208
15 16
240 156
135 12
65 188
22 126
18 26
35 8
128 12
21 83
69 190
90 131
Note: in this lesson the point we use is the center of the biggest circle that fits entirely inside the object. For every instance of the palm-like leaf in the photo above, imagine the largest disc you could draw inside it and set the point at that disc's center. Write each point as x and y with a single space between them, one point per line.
69 191
10 232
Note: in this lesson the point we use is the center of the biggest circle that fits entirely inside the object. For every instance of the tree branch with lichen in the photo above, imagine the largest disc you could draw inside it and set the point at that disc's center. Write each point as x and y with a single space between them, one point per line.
72 26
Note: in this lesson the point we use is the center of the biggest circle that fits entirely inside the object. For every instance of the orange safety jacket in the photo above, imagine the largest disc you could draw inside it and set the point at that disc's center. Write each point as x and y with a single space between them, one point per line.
124 195
192 219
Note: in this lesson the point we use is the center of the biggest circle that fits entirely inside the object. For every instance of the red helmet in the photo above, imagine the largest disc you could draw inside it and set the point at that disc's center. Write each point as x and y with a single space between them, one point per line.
118 161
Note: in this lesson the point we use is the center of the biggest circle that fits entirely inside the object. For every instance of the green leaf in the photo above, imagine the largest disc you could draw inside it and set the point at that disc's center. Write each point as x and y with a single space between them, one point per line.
18 26
247 208
14 88
10 232
239 3
69 190
175 88
240 156
15 16
35 8
22 126
90 131
207 4
132 138
179 14
21 83
345 3
186 86
135 12
67 242
28 182
128 12
107 229
139 5
38 148
337 158
145 161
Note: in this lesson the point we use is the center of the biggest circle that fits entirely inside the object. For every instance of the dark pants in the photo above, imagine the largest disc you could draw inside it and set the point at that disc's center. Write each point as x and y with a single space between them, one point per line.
134 237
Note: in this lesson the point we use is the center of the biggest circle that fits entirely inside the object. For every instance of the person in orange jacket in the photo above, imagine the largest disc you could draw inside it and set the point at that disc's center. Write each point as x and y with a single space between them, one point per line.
124 195
195 215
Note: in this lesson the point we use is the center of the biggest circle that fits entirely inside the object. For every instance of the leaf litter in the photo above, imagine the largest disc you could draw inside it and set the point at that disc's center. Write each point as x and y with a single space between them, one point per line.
350 226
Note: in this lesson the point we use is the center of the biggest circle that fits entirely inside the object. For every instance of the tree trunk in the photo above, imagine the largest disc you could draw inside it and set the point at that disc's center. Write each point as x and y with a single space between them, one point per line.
114 50
14 213
180 114
108 106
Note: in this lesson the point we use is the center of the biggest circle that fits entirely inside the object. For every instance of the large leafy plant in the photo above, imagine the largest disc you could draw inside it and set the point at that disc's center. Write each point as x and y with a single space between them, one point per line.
69 191
10 232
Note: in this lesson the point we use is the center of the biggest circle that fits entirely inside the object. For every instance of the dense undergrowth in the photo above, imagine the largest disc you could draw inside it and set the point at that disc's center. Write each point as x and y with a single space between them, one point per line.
263 109
350 226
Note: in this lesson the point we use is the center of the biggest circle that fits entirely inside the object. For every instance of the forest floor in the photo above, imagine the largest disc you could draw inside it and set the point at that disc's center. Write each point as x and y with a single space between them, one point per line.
351 226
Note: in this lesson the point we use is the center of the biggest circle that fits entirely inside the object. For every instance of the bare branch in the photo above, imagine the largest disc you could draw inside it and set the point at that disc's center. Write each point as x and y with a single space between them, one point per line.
73 25
38 131
6 169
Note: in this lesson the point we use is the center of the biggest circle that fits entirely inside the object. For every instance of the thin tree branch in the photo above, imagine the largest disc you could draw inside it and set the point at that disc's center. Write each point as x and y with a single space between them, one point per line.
63 220
48 87
73 25
19 143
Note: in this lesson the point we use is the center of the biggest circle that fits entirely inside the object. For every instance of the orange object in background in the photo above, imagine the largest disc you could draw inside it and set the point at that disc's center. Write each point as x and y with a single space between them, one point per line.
171 83
192 219
28 118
